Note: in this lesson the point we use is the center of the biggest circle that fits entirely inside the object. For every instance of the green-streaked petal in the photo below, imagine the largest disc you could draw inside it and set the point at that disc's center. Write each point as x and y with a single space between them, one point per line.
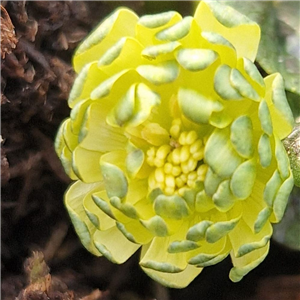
87 80
265 117
211 182
66 160
59 142
240 83
223 197
264 151
100 219
251 241
210 254
86 165
121 23
244 264
220 229
77 115
203 202
282 117
99 200
97 135
241 136
126 208
223 85
115 181
158 20
149 25
135 232
174 280
197 107
134 162
281 199
155 135
243 179
134 107
74 204
123 110
220 119
197 232
282 159
106 86
114 245
196 59
177 31
272 187
262 218
145 101
162 73
235 27
124 50
182 246
156 225
220 155
253 72
172 207
221 46
158 258
152 52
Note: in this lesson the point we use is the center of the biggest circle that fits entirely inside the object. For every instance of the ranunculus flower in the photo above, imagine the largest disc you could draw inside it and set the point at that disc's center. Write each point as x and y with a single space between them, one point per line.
174 140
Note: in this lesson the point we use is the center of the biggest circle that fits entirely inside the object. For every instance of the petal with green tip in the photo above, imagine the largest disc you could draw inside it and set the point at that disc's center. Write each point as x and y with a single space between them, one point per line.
172 207
159 74
120 23
222 84
196 59
223 197
244 264
241 136
197 107
240 83
264 151
235 27
243 179
114 245
265 117
220 155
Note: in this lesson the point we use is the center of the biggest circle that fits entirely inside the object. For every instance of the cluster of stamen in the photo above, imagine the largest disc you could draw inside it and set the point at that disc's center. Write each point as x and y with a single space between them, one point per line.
179 164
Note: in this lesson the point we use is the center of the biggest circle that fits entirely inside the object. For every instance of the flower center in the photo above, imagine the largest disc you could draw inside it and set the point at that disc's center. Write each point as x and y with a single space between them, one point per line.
179 164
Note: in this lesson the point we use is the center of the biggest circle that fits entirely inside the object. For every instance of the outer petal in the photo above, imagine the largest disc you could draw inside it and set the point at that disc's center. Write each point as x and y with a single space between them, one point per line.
119 24
241 32
281 114
114 245
243 265
74 203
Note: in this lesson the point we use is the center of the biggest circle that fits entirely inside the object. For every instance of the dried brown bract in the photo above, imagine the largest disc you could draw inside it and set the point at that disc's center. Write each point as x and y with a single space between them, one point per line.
8 36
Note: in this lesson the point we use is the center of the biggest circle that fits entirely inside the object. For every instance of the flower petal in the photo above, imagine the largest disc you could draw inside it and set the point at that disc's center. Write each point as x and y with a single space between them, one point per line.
220 155
197 107
121 23
237 28
243 265
174 280
241 136
282 117
196 59
114 245
74 204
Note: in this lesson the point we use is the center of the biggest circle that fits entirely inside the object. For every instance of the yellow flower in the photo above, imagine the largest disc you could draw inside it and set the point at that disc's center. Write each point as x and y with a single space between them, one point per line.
174 140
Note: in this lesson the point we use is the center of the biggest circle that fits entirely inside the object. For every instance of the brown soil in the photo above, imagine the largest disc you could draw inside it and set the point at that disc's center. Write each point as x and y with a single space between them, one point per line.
35 82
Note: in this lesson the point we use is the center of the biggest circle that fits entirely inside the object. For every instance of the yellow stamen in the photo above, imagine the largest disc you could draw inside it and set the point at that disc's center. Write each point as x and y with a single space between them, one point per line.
176 163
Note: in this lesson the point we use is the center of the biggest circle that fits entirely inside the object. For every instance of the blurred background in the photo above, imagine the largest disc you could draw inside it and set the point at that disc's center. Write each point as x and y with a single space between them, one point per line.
36 77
